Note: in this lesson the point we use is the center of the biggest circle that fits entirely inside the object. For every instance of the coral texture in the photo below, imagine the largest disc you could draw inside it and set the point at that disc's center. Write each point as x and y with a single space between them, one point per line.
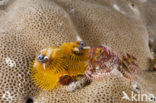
28 26
107 90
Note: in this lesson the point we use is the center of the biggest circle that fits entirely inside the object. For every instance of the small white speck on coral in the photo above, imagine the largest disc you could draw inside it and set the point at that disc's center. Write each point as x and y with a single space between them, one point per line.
7 95
19 28
134 9
72 10
43 100
2 30
78 38
33 10
60 24
10 62
20 85
135 86
143 1
71 87
116 7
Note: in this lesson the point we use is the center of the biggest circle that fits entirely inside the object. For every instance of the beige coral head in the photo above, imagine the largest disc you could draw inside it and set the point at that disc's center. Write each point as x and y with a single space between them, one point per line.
27 26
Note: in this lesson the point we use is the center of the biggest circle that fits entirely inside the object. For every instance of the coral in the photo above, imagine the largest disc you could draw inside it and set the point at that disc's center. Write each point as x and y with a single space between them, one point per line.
98 23
31 28
107 90
148 12
28 26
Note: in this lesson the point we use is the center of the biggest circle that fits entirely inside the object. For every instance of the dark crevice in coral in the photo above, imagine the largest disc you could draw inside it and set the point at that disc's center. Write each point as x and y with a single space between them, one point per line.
29 100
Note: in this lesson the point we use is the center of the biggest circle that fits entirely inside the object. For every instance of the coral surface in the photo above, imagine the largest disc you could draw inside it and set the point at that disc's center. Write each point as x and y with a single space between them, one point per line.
28 26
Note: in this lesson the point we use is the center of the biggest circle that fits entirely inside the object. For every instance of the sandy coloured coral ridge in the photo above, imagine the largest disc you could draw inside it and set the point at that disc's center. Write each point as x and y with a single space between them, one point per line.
28 26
